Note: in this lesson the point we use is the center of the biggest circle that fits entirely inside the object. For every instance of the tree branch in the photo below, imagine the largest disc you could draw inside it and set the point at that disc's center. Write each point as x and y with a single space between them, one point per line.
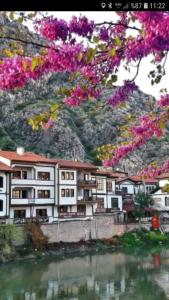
138 66
27 42
118 24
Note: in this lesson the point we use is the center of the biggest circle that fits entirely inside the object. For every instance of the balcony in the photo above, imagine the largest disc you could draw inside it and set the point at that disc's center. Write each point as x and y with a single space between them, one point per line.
31 201
106 210
31 181
31 220
86 200
87 184
72 214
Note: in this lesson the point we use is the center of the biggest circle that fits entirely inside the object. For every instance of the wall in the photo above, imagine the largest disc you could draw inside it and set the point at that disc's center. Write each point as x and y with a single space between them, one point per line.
98 228
73 231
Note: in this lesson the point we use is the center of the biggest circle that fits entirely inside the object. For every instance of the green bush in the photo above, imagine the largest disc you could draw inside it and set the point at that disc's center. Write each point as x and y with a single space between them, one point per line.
143 237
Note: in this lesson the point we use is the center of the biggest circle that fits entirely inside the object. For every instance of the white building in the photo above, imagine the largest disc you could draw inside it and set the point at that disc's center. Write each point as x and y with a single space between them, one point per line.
75 185
160 196
5 175
106 196
129 186
32 187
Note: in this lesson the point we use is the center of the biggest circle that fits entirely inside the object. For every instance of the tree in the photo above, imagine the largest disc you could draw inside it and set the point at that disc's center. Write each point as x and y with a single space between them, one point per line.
90 54
141 201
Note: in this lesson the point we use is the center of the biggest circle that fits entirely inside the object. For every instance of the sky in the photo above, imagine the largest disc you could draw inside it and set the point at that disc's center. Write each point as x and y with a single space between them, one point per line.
142 79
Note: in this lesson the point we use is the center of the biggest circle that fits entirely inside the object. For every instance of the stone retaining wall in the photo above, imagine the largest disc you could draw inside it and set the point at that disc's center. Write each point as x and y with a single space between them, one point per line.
99 227
73 231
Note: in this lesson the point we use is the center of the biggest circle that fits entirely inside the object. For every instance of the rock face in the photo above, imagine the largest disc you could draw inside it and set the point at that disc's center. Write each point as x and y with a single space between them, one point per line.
81 129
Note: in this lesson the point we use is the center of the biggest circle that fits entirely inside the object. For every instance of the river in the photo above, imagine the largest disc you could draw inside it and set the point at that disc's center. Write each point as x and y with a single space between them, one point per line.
110 276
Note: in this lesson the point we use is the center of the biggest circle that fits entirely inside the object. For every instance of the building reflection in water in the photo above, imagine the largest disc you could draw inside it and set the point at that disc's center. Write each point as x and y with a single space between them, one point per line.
98 277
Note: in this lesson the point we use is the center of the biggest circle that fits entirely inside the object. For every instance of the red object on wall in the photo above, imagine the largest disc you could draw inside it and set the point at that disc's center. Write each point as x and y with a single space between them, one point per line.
155 222
156 260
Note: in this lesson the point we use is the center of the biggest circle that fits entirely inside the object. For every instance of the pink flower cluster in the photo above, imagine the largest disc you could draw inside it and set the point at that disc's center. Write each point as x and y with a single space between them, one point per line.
153 37
79 94
148 127
54 29
16 71
152 171
121 94
81 26
164 101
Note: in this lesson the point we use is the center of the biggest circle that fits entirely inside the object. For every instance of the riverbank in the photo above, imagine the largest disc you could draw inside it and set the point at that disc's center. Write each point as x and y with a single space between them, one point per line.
62 250
135 240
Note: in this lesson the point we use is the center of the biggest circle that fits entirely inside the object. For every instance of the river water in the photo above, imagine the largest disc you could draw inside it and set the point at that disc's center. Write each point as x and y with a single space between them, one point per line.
107 276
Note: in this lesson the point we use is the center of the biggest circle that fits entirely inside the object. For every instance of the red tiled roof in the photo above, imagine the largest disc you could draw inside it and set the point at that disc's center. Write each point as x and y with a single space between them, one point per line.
164 175
127 178
26 157
105 172
138 179
5 168
74 164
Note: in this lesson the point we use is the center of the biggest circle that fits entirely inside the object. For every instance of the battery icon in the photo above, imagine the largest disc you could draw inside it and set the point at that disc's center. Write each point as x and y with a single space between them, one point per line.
145 5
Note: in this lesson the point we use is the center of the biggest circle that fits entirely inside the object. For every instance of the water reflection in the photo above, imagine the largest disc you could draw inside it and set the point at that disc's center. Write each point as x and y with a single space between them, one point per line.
115 276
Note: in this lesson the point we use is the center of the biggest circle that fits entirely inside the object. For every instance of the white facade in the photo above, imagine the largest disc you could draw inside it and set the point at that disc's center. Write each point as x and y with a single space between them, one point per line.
105 195
48 190
32 190
129 187
161 200
74 193
4 194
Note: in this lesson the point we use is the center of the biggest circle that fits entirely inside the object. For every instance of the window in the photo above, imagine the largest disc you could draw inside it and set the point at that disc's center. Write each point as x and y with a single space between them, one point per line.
19 194
166 201
43 175
20 174
41 213
1 182
100 185
71 176
71 193
16 175
63 208
63 176
63 193
44 194
114 203
67 192
24 174
109 186
20 213
24 194
67 175
86 177
81 208
1 205
100 203
15 194
124 189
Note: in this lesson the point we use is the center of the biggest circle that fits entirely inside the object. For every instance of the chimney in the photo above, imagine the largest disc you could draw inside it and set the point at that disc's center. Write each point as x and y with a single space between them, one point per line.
20 150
